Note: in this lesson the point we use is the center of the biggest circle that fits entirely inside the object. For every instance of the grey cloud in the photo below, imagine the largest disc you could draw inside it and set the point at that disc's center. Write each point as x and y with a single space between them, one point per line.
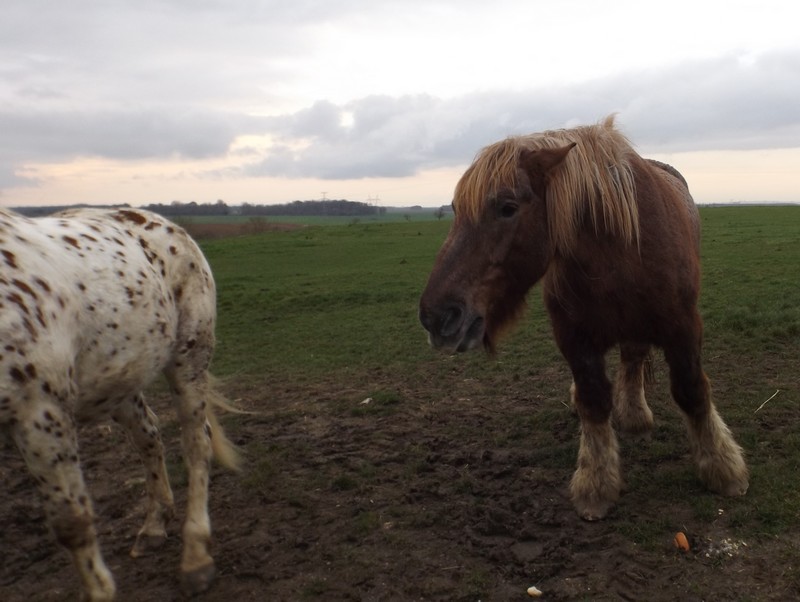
727 103
389 137
87 55
117 134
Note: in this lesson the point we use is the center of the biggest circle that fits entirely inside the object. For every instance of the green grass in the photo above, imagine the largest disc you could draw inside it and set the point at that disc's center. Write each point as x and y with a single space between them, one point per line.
751 276
321 300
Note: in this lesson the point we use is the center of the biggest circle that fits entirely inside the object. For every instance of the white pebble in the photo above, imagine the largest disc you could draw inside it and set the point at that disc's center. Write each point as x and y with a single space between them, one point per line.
534 592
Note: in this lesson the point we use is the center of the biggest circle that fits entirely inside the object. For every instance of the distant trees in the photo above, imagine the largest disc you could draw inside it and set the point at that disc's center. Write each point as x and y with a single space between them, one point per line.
326 207
44 210
176 208
442 211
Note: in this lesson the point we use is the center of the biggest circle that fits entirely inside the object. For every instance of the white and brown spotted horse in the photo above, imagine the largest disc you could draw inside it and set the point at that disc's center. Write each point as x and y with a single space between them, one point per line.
94 304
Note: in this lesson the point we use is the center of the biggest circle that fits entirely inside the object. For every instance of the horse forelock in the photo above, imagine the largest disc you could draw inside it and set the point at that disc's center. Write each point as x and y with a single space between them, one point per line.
595 181
494 168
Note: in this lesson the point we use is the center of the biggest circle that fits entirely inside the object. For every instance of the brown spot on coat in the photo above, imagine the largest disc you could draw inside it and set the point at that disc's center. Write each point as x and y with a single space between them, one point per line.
18 375
71 241
131 216
24 288
42 284
11 259
16 299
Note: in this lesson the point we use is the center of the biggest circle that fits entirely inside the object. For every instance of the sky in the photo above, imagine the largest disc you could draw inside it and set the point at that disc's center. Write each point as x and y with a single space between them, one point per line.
383 101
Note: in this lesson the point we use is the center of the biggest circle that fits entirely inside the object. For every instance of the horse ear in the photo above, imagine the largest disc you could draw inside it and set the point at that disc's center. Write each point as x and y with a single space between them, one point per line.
542 161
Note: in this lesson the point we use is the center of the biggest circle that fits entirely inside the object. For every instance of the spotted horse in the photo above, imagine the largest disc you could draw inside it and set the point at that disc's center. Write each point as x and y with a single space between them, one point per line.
94 304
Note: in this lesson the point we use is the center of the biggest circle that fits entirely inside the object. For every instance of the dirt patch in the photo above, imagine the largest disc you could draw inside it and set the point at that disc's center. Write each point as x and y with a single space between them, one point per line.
430 490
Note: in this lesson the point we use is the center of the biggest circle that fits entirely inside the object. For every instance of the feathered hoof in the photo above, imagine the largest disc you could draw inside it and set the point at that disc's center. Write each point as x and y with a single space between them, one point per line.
145 544
198 580
594 492
725 474
104 594
593 511
635 422
731 488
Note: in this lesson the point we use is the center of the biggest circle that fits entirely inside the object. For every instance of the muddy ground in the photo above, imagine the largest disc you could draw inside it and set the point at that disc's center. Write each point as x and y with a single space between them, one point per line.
439 488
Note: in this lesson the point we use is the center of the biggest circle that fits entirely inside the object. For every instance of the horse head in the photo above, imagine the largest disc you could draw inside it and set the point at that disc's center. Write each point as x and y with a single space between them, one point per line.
498 246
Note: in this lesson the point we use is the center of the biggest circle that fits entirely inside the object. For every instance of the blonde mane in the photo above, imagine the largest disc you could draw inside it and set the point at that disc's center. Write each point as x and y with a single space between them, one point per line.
595 181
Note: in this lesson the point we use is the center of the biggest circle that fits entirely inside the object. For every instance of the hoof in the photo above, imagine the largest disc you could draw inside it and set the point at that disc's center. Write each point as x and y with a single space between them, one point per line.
197 581
734 488
146 544
725 474
593 512
634 425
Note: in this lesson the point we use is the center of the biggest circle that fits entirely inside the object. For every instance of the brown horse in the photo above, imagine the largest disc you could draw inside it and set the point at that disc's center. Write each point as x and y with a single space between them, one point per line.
615 239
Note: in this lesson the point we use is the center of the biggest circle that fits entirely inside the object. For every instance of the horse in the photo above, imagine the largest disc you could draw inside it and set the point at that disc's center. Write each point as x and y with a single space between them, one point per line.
94 304
615 240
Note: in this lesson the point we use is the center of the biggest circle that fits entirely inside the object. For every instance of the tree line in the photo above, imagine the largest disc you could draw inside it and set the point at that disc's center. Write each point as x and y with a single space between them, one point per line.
326 207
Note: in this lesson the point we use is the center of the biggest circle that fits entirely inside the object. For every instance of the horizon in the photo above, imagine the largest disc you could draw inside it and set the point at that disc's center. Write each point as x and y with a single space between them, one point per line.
387 208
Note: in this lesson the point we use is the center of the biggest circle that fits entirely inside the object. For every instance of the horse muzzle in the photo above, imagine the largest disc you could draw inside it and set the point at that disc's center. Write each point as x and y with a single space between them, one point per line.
452 327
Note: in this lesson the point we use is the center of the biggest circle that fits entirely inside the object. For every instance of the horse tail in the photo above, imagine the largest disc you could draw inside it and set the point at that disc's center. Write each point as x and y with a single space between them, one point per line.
223 449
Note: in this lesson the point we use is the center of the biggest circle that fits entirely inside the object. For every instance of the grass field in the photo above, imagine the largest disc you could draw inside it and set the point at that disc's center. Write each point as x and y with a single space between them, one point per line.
377 469
344 297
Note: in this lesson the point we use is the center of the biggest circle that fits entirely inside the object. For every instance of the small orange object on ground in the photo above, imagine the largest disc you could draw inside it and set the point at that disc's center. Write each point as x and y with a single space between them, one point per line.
681 542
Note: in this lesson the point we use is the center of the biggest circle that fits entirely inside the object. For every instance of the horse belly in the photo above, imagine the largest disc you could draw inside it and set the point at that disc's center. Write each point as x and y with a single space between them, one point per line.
617 297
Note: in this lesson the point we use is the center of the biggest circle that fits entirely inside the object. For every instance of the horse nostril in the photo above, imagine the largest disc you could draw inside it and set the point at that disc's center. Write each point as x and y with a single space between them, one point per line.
451 319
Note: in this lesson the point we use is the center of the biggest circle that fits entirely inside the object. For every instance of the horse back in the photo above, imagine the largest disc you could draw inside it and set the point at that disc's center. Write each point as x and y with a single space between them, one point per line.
681 187
101 302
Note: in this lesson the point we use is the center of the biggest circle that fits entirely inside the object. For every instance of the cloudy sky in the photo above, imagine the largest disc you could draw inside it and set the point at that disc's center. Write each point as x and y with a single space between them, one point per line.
265 101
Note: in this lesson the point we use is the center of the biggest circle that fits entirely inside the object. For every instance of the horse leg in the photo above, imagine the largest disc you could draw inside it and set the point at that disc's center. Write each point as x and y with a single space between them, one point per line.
718 457
597 481
631 413
141 423
46 437
197 565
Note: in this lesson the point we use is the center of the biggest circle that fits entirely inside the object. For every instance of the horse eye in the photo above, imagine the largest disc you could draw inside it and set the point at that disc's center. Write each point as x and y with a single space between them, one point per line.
508 209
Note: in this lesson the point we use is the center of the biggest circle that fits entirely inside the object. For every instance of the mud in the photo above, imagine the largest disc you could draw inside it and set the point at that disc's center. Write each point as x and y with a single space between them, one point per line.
432 491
